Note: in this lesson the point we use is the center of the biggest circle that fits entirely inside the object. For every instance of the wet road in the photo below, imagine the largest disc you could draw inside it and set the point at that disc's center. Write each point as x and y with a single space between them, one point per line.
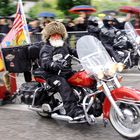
17 123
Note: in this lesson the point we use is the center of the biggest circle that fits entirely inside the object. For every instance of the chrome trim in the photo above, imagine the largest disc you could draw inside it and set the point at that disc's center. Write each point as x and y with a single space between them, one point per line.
34 95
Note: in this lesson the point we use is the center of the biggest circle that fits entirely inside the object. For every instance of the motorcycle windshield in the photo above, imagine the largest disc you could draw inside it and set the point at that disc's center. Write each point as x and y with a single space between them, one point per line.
92 55
130 31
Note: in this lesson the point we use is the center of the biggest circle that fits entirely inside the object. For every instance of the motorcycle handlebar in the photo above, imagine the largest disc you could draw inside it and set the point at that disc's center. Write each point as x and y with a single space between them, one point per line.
66 58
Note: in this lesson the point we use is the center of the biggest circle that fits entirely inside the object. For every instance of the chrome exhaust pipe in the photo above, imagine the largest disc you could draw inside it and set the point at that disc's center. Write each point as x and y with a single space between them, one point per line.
53 115
61 117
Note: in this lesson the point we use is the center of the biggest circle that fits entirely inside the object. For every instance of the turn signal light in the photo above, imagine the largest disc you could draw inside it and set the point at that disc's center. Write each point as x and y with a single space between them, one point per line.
100 87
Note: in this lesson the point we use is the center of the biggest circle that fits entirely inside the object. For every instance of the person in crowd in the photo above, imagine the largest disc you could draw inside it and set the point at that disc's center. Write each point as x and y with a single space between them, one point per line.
120 25
2 24
35 26
69 24
34 30
81 22
57 68
93 26
107 36
134 19
70 27
45 21
136 22
6 25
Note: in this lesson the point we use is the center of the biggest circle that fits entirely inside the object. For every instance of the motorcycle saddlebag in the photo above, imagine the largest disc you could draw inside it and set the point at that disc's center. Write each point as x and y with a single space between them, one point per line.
27 91
16 59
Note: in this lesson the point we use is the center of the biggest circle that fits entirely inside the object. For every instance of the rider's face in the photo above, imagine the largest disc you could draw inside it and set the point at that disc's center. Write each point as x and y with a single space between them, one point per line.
110 22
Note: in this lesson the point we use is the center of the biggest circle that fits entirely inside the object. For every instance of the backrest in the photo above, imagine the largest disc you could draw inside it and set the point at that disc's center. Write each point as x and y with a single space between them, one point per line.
33 52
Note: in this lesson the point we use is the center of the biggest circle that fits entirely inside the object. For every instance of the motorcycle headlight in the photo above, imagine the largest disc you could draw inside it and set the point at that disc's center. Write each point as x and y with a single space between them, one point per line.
120 67
111 70
100 74
138 40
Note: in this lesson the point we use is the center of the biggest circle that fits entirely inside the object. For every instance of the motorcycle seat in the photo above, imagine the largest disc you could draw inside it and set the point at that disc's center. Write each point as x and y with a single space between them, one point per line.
39 73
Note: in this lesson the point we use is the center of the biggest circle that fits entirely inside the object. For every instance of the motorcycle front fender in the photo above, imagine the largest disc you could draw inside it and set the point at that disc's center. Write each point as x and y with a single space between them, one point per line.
120 93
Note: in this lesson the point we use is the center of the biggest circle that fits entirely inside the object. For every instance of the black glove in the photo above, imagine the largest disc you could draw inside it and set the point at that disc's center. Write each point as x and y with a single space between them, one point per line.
57 66
63 62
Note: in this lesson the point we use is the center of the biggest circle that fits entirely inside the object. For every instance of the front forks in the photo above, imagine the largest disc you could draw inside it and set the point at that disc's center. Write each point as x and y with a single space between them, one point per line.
110 98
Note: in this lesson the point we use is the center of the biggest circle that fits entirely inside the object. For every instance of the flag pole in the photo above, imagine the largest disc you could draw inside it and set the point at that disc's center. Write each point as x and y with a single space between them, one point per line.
26 31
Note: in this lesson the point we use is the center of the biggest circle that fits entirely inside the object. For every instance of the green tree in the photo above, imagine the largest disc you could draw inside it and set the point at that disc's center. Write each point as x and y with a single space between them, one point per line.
65 5
7 8
111 5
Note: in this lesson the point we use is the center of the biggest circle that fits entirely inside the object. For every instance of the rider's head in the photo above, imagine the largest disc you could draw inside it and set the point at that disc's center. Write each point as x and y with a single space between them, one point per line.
93 21
108 21
54 33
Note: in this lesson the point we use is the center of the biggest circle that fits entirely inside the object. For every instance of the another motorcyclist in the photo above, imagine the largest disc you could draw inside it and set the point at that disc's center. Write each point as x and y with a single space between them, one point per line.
93 26
107 36
57 68
118 25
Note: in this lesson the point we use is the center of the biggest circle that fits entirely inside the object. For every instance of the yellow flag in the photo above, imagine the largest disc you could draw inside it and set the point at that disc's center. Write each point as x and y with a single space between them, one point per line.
1 64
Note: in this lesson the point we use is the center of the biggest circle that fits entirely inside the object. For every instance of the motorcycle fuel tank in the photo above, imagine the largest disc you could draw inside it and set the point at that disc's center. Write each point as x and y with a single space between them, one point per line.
81 79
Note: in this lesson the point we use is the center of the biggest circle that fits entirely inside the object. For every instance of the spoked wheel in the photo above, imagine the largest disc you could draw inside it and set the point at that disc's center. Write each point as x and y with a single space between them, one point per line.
130 126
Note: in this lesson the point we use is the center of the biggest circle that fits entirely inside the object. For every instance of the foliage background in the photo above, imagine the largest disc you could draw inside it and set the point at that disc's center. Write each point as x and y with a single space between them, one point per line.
7 7
61 7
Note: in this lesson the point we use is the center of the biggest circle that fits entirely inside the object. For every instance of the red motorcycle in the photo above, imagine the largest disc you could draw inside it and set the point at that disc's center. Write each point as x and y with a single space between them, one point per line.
97 88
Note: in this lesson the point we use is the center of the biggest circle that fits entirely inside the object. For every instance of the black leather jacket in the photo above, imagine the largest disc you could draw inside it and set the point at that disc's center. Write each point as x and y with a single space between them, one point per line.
49 54
107 35
93 30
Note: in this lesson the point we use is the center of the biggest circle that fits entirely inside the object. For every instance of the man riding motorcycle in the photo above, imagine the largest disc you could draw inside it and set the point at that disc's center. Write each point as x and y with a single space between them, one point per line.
52 60
107 36
93 27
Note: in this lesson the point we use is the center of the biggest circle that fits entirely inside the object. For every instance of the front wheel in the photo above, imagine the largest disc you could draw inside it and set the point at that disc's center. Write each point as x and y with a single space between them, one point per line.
130 126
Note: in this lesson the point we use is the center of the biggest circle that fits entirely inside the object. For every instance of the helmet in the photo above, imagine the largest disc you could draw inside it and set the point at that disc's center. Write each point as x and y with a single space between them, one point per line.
93 21
54 27
106 19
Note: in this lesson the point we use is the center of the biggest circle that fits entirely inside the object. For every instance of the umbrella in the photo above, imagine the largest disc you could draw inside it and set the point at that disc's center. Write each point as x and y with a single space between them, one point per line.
82 8
109 12
47 14
138 9
129 9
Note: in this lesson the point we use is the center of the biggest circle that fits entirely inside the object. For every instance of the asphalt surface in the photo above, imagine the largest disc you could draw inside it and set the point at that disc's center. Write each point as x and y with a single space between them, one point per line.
18 123
24 125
